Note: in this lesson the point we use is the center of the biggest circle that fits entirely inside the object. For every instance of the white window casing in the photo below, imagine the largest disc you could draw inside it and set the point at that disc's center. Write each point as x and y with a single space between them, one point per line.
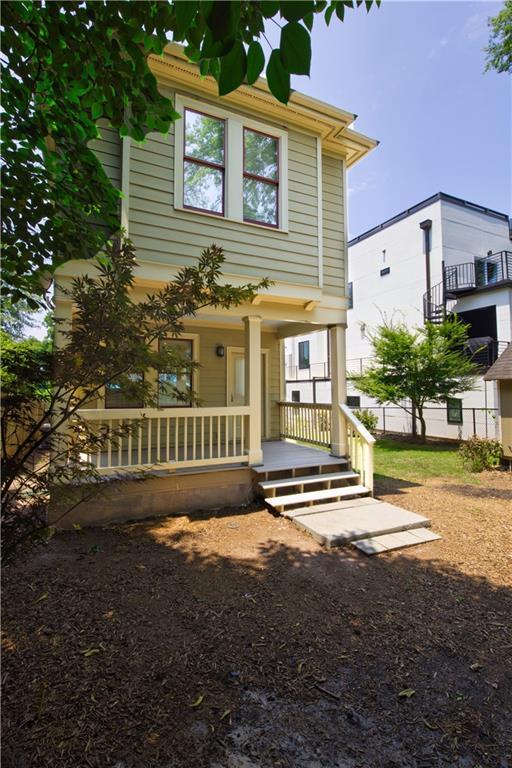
233 161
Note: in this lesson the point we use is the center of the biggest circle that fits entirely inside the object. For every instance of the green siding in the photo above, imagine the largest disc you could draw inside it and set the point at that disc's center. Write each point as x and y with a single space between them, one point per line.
164 235
333 226
108 149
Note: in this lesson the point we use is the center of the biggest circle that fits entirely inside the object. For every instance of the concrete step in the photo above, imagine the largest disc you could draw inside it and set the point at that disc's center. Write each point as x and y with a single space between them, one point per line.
287 482
342 525
361 501
279 502
377 544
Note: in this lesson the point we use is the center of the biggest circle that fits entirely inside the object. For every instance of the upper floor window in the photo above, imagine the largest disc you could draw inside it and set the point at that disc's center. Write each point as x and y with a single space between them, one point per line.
203 162
261 178
229 165
350 295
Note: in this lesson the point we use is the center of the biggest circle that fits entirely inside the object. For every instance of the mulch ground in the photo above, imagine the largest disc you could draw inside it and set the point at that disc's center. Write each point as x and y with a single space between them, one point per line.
231 640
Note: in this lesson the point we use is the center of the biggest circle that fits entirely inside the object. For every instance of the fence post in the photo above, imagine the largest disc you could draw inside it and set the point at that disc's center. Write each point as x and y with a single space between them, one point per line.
474 422
384 420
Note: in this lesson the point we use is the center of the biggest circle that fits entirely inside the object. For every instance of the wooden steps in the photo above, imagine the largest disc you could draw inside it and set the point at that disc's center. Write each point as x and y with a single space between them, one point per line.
340 512
307 497
270 485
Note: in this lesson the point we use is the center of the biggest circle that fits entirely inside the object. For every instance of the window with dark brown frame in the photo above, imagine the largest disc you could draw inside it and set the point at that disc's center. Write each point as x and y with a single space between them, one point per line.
261 178
170 383
116 397
204 157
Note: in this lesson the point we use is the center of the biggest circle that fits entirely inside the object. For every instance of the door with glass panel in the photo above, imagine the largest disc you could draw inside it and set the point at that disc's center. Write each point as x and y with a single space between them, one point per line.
236 383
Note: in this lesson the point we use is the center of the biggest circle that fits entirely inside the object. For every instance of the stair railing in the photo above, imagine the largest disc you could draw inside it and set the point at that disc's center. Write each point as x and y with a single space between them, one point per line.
359 446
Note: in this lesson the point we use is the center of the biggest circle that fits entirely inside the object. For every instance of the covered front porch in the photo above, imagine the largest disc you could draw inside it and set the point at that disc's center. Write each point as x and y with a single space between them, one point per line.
240 418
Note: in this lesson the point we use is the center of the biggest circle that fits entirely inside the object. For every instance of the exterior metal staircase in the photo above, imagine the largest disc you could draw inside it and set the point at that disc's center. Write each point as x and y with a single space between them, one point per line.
460 279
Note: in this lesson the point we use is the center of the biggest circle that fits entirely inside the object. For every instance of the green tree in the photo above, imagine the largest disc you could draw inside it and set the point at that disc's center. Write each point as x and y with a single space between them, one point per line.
499 50
68 65
16 319
412 368
43 438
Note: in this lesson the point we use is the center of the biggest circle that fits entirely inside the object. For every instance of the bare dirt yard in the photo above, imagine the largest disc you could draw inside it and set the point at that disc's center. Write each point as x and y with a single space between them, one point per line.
232 640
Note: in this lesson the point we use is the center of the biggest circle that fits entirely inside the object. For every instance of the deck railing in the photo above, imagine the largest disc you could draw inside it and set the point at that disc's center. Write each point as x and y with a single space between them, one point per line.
311 423
306 422
152 438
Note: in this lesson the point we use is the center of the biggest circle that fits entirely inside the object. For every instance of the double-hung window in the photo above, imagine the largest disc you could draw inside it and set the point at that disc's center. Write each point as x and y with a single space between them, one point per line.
261 178
229 165
203 162
175 386
303 354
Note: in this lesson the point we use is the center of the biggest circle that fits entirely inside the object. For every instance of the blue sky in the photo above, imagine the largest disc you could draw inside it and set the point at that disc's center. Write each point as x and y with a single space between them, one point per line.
413 73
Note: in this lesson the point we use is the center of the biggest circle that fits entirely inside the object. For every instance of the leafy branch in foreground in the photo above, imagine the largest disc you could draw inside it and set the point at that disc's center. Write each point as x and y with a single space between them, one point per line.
70 66
113 340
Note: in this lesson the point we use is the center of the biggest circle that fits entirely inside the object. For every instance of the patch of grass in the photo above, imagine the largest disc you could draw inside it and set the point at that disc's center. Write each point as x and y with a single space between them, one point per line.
411 461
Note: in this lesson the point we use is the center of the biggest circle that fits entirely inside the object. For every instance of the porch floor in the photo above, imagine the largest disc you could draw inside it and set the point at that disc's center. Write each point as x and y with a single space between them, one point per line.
282 454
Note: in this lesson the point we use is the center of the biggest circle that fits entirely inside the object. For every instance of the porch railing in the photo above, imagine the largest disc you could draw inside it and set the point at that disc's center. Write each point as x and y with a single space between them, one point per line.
311 423
306 422
179 437
359 446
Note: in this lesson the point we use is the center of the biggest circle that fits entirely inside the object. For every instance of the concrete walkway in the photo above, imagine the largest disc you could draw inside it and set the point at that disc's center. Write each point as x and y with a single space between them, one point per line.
377 525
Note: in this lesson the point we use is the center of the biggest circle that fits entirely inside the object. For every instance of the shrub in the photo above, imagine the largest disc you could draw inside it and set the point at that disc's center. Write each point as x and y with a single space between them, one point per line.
367 419
479 453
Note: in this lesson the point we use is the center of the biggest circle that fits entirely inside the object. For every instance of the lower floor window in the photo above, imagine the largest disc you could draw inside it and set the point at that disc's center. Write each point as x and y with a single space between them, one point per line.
353 401
118 395
175 387
295 396
454 410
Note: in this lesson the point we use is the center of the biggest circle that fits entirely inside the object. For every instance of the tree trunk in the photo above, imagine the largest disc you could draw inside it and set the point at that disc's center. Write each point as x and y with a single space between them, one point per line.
423 425
414 430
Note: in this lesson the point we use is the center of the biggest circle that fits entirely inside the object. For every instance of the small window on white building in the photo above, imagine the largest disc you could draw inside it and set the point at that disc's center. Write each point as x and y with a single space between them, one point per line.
295 396
303 354
454 410
350 295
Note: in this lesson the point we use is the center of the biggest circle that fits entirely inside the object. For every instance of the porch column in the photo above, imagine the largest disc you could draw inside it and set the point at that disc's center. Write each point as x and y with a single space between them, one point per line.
338 388
253 386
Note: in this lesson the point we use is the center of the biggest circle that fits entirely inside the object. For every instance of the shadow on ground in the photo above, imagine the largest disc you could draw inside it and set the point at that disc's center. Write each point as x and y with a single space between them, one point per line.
206 643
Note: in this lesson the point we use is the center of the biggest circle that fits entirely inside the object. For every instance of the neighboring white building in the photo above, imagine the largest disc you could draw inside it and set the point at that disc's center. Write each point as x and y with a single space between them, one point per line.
441 256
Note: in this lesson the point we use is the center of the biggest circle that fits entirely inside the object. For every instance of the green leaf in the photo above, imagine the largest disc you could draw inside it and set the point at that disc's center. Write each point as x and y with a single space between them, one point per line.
295 47
96 110
340 11
269 8
406 693
278 78
293 10
308 21
255 62
223 19
185 12
232 69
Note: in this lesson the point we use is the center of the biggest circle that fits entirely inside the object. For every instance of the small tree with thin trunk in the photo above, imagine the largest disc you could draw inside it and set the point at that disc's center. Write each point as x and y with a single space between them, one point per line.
414 367
113 340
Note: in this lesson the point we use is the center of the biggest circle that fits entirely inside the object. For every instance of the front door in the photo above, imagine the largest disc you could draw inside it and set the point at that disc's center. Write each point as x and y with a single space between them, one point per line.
236 382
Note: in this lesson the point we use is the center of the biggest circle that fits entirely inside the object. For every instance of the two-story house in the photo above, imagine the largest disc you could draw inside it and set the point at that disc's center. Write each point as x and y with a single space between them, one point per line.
267 182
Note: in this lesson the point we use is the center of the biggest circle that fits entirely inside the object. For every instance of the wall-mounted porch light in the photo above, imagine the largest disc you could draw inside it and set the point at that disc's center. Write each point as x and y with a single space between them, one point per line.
219 350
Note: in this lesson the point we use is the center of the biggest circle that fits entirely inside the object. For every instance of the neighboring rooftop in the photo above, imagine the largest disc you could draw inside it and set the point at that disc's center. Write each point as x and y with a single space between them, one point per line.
424 203
502 368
